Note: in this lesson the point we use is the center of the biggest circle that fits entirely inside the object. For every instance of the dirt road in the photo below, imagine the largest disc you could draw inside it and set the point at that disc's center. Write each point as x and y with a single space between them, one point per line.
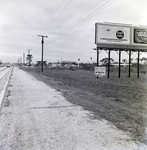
37 117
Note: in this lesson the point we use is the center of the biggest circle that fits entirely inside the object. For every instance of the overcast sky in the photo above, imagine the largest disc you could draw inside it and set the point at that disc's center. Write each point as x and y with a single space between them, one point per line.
69 25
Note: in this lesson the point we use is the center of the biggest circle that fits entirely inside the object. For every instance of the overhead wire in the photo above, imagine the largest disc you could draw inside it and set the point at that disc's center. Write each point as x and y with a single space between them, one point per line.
91 15
46 25
85 13
69 15
43 29
84 19
52 15
59 14
90 10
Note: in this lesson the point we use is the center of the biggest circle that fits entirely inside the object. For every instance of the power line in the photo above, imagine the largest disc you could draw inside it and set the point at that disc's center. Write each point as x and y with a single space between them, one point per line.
86 12
83 20
67 30
59 13
69 15
86 18
53 15
90 15
90 10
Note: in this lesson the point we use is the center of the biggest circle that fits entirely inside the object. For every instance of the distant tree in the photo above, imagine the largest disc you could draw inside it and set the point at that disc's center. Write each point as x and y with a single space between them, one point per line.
143 59
131 60
106 60
124 61
116 62
74 63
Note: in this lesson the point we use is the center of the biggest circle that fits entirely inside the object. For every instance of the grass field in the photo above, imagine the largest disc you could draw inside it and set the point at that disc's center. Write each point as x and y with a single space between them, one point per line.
121 101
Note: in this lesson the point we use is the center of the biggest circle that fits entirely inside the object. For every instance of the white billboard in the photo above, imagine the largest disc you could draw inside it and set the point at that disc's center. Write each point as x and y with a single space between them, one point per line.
120 36
113 34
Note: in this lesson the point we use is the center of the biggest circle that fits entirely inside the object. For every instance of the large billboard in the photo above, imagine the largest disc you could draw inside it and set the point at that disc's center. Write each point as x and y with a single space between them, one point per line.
120 36
113 34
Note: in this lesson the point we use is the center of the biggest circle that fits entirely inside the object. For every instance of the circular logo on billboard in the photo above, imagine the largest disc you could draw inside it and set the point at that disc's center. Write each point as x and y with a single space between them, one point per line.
119 34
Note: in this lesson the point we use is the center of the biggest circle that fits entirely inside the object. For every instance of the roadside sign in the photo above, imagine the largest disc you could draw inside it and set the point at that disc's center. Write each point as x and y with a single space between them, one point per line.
100 71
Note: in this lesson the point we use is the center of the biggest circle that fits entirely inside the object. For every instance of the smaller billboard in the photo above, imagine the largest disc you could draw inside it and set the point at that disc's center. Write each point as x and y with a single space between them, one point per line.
140 36
100 71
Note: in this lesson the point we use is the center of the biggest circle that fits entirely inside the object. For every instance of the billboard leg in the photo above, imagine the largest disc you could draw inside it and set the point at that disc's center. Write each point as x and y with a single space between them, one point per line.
109 63
129 63
138 64
97 57
119 63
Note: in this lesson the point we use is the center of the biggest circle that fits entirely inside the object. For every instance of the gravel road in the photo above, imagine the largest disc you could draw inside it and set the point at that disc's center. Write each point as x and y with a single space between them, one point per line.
37 117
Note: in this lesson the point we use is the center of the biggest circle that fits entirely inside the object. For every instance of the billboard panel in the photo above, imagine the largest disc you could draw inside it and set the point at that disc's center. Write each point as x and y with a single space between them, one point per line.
110 34
139 36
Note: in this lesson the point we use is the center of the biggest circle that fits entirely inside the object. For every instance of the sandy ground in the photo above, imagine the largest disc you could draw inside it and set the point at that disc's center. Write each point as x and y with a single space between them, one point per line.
37 117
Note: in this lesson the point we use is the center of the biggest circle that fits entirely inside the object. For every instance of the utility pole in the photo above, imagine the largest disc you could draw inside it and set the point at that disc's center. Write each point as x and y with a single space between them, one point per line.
23 58
29 57
20 61
42 42
29 51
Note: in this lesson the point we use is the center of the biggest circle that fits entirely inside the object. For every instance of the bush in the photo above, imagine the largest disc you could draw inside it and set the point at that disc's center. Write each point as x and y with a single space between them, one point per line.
88 67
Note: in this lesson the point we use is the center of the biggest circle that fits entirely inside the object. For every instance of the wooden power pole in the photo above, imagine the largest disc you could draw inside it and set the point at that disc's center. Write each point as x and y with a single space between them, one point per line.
42 42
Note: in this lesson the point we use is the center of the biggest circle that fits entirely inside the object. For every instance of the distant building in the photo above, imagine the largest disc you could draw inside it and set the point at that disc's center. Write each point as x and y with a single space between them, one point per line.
54 64
39 63
69 64
63 64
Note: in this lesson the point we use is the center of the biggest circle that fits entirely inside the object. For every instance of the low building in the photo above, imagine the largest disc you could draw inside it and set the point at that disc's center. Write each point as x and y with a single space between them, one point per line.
39 63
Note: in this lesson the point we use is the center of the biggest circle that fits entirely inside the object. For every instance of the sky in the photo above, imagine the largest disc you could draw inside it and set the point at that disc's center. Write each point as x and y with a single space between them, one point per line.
69 25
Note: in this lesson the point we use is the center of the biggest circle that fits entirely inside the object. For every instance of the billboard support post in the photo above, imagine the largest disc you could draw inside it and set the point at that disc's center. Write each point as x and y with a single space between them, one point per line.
42 42
97 57
119 62
98 51
109 63
129 63
138 64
